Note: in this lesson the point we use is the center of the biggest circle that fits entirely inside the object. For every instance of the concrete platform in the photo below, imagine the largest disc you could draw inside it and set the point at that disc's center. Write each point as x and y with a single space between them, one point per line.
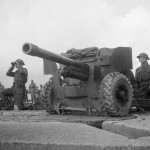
62 136
133 128
37 130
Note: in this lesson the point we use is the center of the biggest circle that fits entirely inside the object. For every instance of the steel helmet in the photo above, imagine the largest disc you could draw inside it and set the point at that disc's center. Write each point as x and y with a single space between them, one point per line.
144 55
20 61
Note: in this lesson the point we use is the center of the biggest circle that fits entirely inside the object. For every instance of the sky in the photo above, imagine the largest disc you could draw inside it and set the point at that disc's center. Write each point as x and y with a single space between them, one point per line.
58 25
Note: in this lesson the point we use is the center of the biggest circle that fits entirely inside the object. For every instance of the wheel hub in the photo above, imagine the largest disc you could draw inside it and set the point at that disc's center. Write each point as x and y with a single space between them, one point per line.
121 94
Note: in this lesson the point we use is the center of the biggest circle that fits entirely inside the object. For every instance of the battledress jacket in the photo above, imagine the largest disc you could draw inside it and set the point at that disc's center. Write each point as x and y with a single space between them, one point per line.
20 76
143 74
32 87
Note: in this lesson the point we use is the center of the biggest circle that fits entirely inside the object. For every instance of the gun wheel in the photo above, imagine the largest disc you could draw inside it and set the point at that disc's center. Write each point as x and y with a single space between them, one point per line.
46 95
116 94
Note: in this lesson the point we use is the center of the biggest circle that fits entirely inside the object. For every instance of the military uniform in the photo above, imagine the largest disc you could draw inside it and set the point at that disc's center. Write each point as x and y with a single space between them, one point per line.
1 87
32 88
18 88
143 79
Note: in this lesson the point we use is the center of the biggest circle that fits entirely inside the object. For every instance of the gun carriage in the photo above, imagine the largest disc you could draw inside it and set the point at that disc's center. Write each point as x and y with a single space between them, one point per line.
90 79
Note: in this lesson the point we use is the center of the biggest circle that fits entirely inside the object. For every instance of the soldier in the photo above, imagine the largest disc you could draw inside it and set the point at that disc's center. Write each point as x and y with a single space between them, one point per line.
18 88
142 76
38 103
41 87
32 88
1 87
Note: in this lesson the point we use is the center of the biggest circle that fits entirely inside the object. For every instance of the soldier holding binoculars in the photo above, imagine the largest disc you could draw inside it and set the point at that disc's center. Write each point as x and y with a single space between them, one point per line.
18 88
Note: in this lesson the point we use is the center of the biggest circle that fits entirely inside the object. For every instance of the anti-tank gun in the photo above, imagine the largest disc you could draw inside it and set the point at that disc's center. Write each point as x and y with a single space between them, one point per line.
98 79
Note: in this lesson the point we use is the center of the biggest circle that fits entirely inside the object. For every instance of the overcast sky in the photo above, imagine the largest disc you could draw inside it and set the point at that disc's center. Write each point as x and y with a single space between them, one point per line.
58 25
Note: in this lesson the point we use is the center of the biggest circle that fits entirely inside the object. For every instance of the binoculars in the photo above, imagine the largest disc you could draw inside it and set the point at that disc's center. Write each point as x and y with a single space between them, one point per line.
13 63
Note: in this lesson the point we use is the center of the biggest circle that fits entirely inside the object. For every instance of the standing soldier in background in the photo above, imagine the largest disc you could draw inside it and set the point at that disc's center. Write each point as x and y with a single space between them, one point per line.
41 87
1 87
143 76
42 95
32 89
18 88
38 104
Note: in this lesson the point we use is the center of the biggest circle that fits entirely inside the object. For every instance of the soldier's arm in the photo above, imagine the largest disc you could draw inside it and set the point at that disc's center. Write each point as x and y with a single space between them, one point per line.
148 78
24 72
136 74
9 72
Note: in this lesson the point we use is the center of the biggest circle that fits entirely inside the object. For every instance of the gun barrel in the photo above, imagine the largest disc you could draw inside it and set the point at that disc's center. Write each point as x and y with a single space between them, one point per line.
33 50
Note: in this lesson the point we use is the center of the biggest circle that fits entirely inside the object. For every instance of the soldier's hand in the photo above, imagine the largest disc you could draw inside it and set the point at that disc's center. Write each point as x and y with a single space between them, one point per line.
13 64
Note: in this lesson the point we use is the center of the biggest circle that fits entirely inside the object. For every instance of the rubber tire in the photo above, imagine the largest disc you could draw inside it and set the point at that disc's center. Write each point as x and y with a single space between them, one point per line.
107 94
46 95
